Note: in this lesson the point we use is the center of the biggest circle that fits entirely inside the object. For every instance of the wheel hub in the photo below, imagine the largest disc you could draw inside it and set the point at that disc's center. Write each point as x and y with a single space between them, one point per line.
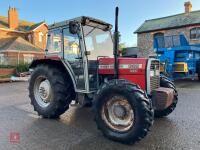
118 114
44 90
119 111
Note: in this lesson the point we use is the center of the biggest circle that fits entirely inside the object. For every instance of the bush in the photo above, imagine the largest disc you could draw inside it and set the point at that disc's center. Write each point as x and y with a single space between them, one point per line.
19 68
22 68
3 77
7 66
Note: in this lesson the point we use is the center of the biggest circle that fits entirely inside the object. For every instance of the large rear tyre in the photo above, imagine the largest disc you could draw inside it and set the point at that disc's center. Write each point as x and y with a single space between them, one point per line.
123 111
165 82
50 91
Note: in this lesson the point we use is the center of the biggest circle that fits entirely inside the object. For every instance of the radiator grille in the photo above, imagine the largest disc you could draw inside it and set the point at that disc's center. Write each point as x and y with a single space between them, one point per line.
155 79
154 82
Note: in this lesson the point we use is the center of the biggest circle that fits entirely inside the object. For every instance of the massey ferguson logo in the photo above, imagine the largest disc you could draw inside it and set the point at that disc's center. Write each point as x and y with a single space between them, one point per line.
121 66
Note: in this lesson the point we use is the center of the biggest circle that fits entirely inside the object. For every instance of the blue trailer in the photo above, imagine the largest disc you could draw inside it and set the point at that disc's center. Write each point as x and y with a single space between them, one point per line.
178 58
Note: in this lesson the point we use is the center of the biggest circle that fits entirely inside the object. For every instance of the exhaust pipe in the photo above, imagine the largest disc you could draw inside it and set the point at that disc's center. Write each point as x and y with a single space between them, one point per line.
116 44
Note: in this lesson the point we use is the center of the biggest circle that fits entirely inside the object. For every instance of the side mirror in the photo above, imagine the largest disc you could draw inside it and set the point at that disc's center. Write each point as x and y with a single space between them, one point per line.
74 27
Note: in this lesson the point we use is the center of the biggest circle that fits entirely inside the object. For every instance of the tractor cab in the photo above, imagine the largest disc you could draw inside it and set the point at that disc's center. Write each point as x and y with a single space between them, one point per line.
79 42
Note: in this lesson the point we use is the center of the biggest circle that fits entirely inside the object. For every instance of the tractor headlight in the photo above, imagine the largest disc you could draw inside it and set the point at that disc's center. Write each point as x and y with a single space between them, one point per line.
152 73
157 72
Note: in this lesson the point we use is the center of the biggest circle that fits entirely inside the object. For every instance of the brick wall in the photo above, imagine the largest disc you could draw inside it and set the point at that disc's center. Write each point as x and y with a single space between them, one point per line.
7 71
145 40
43 29
34 35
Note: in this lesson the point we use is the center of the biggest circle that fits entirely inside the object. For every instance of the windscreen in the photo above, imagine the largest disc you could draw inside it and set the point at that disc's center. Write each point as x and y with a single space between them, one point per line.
98 42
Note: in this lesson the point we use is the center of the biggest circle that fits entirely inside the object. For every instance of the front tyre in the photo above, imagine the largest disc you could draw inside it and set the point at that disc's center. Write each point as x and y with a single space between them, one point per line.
122 111
165 82
50 91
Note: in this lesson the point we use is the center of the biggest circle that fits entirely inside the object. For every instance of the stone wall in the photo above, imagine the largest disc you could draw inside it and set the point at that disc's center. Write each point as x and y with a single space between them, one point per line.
145 40
145 44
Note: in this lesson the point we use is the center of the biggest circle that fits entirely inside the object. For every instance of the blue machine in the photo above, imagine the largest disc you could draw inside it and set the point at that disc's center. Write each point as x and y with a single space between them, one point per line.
178 58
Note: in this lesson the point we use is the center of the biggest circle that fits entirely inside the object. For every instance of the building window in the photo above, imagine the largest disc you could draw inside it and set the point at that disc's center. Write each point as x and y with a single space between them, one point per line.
28 58
40 36
159 41
195 33
30 38
2 59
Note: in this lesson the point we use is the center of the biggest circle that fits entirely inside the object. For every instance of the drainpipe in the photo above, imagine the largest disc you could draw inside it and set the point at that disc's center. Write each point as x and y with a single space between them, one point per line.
18 58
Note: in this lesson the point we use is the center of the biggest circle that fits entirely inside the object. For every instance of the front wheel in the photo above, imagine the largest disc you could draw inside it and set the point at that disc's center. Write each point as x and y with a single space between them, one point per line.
122 111
165 82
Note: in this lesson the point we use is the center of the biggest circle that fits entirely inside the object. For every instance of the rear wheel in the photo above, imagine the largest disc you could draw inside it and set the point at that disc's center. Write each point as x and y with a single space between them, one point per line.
165 82
122 111
50 91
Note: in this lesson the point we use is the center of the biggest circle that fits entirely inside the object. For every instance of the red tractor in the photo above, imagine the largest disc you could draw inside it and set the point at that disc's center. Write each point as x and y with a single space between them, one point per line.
126 93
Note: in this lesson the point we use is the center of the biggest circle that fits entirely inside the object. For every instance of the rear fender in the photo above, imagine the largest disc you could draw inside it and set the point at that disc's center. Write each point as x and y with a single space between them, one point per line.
55 63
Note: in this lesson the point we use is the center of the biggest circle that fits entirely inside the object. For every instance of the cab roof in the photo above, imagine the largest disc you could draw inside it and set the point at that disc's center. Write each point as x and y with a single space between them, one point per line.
83 20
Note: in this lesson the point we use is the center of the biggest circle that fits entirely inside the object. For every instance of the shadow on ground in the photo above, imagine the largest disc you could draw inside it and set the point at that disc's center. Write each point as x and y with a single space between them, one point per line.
188 83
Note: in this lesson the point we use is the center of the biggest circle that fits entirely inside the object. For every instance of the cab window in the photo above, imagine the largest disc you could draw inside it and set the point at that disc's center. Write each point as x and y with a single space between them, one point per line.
54 41
71 45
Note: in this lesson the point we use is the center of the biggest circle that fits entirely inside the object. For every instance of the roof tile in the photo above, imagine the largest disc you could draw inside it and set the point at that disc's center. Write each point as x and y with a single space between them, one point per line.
174 21
23 25
17 43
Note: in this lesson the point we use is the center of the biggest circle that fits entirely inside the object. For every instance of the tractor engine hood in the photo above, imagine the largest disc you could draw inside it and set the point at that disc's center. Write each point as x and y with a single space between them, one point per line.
127 66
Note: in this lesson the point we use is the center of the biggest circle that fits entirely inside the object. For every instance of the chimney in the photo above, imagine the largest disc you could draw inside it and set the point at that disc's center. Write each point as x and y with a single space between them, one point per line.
13 21
188 7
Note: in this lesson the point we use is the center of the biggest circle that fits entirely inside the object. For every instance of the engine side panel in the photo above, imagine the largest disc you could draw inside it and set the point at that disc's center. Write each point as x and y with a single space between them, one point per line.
132 69
137 79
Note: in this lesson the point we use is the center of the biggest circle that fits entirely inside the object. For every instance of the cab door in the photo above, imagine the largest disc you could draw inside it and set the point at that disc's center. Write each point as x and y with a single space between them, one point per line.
74 57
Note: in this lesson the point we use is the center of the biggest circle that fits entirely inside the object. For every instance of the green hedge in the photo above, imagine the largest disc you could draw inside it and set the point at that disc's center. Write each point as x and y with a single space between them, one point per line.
7 66
19 68
3 77
22 68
